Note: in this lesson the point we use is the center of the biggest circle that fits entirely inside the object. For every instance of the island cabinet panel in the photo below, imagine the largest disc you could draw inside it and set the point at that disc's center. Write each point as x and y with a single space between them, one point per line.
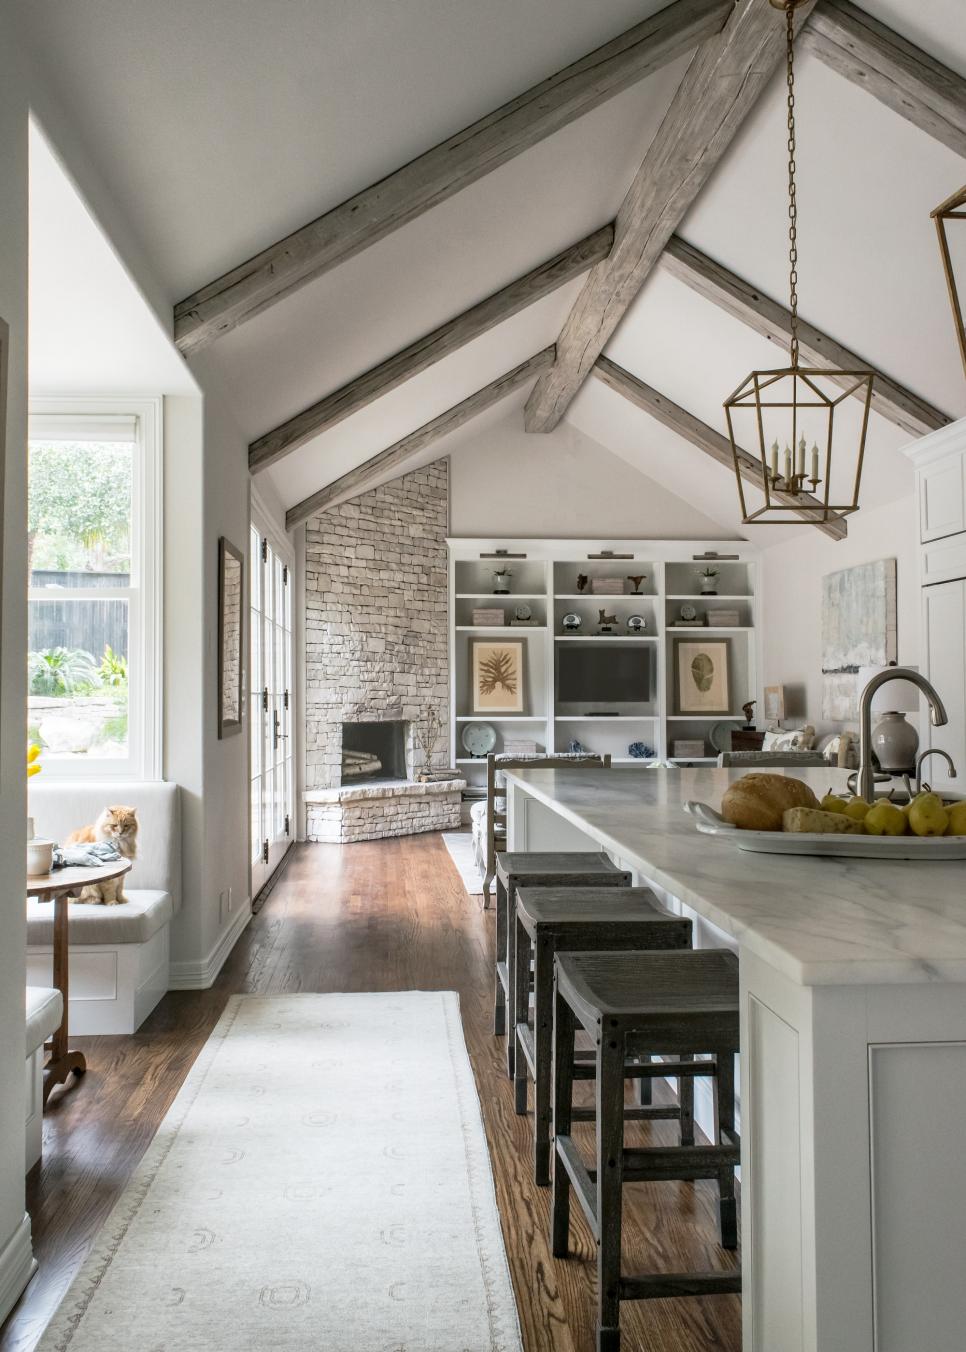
917 1094
944 645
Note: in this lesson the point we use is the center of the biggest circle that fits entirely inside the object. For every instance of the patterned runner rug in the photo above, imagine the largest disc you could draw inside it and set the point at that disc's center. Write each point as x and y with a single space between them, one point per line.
321 1182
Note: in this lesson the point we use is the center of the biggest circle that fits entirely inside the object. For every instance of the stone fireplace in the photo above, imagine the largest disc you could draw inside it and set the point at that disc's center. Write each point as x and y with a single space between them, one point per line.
376 656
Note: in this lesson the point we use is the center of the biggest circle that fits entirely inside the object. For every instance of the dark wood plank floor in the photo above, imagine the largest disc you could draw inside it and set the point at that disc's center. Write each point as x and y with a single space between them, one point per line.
391 915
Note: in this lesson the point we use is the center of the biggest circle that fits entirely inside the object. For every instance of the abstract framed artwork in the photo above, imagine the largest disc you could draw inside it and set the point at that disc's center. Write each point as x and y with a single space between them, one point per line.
497 675
859 629
702 676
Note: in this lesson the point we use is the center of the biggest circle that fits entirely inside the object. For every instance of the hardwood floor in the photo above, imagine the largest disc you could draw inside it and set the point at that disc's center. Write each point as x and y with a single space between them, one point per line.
391 915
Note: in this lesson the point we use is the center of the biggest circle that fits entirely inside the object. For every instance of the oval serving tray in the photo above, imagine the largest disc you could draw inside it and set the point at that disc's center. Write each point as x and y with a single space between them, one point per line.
923 848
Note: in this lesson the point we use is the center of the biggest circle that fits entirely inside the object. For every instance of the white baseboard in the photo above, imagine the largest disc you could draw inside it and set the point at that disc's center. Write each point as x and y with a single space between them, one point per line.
17 1266
199 974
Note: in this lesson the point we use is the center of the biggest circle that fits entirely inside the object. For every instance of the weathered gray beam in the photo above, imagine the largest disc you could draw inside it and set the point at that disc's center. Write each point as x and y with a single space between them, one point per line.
899 74
448 338
433 177
773 321
396 457
699 434
720 88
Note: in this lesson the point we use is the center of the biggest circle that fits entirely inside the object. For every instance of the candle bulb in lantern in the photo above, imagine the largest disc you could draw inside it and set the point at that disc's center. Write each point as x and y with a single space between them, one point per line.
800 467
814 462
788 464
774 460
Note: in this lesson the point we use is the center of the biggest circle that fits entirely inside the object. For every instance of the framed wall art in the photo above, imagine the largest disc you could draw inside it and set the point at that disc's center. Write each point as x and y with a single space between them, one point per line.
497 676
702 677
231 633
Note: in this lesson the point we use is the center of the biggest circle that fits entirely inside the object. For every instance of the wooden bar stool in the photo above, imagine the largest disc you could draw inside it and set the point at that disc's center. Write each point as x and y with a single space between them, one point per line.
677 1003
551 920
527 868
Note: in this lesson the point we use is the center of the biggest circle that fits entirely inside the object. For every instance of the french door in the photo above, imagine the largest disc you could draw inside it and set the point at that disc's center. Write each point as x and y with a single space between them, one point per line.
271 666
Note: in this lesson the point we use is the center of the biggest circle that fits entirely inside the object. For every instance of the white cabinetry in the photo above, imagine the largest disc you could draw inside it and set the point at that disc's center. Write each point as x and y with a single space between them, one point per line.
940 461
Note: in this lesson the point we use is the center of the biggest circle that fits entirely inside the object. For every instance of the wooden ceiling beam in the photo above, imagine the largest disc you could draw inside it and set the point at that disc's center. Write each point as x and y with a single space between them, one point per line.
448 338
773 321
433 177
393 459
721 86
699 434
899 74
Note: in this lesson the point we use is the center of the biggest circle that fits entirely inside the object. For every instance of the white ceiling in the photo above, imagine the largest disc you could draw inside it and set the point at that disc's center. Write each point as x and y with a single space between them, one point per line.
90 328
221 127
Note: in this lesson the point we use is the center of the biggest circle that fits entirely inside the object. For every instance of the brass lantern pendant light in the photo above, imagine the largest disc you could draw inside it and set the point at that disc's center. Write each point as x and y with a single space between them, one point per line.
789 415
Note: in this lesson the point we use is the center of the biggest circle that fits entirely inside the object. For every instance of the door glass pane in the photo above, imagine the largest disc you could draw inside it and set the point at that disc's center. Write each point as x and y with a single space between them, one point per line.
77 677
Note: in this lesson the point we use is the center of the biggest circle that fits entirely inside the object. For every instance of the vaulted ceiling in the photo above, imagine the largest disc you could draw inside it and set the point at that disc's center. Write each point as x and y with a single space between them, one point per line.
221 128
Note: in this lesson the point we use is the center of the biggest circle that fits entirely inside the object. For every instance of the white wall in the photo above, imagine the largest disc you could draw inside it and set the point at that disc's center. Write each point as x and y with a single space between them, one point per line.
512 483
15 1256
792 575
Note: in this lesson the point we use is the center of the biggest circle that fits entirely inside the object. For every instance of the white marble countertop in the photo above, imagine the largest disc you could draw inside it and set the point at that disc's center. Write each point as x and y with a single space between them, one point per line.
819 921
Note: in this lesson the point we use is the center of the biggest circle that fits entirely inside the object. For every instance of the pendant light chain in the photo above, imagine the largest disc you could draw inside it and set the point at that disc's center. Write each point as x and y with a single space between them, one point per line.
792 200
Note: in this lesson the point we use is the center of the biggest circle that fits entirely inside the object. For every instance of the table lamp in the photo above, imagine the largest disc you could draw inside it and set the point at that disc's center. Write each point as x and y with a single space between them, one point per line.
894 741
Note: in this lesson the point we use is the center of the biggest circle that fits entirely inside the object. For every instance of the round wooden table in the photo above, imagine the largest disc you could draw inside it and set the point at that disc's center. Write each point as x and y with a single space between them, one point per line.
57 887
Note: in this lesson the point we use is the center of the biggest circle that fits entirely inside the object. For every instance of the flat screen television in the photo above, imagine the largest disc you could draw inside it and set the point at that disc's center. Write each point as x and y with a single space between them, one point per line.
603 675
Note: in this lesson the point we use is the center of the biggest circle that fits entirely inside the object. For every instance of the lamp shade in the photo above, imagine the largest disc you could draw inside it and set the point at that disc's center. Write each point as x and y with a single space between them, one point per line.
901 697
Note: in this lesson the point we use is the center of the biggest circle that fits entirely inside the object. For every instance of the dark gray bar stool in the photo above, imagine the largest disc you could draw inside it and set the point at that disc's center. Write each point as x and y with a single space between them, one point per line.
551 920
527 868
674 1003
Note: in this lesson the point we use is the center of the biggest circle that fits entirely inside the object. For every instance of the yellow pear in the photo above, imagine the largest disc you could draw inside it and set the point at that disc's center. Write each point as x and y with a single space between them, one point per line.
885 819
957 819
858 809
832 803
927 816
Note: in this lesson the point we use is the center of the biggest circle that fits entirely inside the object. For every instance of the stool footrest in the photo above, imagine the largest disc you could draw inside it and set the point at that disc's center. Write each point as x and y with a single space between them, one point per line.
659 1285
633 1113
650 1070
582 1178
503 977
654 1163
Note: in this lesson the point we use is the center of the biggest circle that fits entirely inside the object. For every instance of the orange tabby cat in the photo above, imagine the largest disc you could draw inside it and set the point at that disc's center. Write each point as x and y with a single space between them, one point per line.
119 827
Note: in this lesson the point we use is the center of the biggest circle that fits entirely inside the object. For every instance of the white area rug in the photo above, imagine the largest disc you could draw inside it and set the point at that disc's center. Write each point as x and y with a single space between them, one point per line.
463 854
320 1182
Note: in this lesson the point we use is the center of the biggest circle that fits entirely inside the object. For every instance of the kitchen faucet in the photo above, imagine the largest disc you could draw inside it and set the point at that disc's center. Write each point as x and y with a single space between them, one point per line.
865 786
924 755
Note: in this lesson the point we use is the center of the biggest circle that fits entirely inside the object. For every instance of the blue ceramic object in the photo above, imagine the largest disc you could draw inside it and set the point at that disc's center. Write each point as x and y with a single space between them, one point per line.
575 747
640 751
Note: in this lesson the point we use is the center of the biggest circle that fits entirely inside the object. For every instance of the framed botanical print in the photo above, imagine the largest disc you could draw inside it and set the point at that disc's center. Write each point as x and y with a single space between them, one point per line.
231 633
701 676
497 676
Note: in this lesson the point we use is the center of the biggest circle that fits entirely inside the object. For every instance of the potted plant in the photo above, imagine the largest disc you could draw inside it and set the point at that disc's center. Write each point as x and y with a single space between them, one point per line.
501 581
708 577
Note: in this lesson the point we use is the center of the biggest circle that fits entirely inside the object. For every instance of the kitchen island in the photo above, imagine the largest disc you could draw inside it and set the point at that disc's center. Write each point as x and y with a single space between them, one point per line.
853 1064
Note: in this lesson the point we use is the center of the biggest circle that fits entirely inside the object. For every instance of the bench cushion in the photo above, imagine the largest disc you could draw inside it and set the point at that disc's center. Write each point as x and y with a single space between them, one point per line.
134 922
45 1009
60 807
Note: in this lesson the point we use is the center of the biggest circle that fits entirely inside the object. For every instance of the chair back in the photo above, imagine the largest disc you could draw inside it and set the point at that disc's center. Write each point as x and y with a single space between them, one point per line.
496 763
785 759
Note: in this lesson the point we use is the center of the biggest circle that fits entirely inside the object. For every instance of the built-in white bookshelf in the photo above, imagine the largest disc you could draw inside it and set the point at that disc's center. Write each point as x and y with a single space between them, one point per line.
544 578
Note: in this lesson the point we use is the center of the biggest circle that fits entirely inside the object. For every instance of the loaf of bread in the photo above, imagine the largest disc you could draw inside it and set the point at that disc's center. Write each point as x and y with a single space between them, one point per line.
820 823
757 802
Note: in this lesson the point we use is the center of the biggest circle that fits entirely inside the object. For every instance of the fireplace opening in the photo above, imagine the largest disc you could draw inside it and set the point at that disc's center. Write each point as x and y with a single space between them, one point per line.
373 751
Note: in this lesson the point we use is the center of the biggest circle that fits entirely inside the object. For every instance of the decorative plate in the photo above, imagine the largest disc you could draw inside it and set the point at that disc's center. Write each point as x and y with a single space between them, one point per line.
571 622
720 735
522 611
689 612
636 624
479 739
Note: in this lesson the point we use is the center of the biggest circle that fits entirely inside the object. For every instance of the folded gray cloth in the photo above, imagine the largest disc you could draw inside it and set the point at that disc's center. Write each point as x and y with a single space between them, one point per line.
86 856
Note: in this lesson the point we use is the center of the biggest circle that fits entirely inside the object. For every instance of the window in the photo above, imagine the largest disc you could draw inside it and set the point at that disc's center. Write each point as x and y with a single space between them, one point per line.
94 559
